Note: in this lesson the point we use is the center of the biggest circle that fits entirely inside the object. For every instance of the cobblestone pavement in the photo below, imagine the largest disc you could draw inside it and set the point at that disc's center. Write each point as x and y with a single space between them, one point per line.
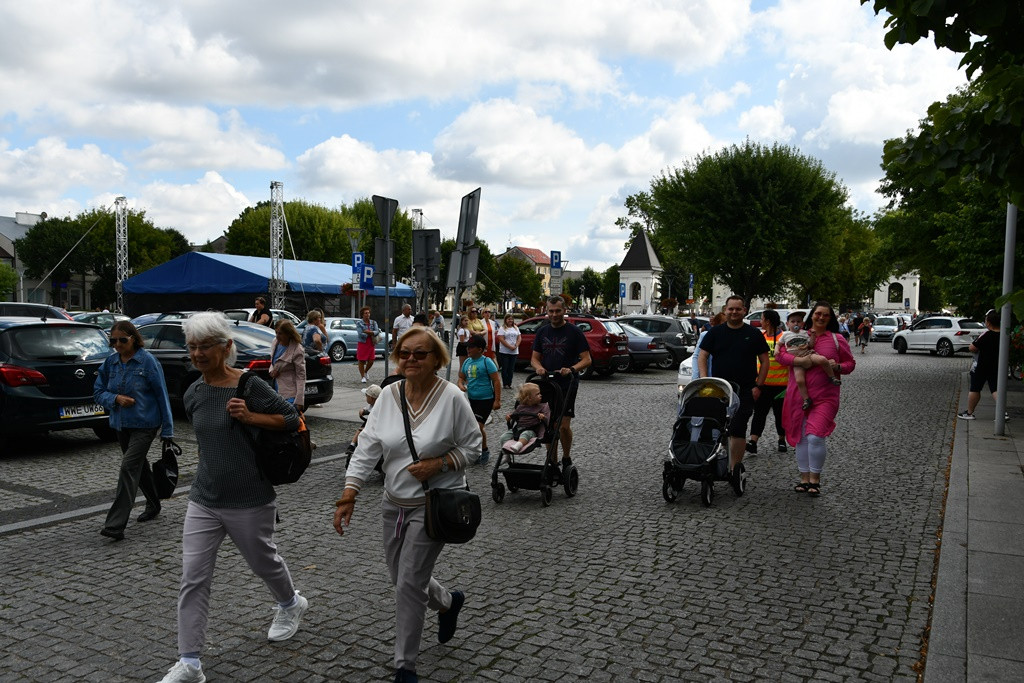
613 584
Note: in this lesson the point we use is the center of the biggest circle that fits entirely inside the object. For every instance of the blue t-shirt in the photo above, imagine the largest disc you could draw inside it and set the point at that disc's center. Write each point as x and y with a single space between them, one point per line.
478 377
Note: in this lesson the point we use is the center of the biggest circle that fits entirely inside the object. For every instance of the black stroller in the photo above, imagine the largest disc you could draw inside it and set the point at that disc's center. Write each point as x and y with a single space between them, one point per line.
700 443
545 476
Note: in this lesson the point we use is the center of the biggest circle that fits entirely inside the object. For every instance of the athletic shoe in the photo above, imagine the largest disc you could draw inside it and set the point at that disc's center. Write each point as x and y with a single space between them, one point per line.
406 676
184 673
752 447
449 621
782 445
490 419
485 455
286 622
966 416
363 380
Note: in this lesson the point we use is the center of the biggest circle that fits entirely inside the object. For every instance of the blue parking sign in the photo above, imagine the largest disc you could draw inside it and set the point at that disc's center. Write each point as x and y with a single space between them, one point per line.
622 290
366 281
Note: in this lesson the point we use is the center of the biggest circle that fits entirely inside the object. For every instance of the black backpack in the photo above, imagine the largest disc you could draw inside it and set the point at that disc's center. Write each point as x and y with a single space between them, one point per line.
282 456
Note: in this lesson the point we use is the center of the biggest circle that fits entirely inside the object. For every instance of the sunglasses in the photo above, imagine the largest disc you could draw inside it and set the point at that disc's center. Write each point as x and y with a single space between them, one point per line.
418 354
119 340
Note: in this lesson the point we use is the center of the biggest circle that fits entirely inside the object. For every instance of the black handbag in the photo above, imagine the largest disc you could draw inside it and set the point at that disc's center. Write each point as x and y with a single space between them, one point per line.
282 456
452 515
165 470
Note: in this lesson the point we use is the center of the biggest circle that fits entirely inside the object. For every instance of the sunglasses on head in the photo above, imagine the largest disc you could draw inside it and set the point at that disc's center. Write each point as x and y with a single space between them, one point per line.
418 354
119 340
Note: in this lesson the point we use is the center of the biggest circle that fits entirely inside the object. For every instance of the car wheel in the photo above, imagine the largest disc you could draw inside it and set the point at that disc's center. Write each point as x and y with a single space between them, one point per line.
604 372
586 372
900 345
944 348
668 363
622 365
338 352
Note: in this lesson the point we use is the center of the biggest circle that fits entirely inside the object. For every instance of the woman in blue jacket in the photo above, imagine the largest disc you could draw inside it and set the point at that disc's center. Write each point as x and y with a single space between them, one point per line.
131 386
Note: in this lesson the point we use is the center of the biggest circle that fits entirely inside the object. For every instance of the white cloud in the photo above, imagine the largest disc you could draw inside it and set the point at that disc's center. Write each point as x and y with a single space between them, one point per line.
201 210
766 123
49 168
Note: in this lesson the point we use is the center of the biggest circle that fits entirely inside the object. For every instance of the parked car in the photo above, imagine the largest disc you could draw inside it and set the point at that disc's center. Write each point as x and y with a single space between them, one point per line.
276 314
940 334
165 339
145 319
676 334
47 371
342 338
607 341
644 350
103 320
754 317
885 328
30 310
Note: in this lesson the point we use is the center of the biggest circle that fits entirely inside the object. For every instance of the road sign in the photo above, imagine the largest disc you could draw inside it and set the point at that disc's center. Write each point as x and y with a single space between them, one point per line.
463 269
366 279
556 260
426 255
622 290
468 215
555 286
384 268
385 213
906 303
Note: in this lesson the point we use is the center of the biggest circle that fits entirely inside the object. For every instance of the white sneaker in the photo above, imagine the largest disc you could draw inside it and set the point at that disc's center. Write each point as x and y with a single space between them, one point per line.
184 673
965 415
286 622
363 380
490 419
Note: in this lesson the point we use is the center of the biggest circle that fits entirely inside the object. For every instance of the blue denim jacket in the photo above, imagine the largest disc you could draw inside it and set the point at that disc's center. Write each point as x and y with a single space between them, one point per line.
142 378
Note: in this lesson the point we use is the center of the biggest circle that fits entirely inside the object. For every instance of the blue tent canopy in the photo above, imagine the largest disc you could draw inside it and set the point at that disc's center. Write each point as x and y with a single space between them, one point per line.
201 273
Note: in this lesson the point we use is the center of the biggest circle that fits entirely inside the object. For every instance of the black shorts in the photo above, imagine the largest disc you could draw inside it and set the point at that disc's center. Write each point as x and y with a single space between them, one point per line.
461 350
568 407
482 408
738 423
978 381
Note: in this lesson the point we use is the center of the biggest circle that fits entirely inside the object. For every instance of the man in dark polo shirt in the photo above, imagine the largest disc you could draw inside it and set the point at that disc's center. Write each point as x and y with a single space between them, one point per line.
737 348
560 347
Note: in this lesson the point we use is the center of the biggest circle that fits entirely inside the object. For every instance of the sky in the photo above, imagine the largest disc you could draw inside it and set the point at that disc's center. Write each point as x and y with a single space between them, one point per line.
558 110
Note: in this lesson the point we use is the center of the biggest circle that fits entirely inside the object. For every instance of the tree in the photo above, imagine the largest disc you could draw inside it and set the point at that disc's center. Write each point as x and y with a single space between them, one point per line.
8 280
610 287
751 215
318 233
982 137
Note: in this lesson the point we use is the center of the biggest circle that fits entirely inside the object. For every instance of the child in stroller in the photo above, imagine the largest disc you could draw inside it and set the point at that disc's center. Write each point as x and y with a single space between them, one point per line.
527 421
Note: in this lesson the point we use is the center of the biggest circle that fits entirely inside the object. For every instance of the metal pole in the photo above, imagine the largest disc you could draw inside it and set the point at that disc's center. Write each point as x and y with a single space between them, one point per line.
1005 320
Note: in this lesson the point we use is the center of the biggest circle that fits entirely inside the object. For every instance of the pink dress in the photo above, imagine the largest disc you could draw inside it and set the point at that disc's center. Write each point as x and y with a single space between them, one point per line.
820 419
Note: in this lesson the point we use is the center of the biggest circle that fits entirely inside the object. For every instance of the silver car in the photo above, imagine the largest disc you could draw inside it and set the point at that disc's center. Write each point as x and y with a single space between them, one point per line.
885 328
342 338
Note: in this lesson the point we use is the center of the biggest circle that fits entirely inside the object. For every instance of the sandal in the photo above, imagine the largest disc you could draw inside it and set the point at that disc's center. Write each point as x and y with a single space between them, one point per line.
807 404
802 487
814 489
838 382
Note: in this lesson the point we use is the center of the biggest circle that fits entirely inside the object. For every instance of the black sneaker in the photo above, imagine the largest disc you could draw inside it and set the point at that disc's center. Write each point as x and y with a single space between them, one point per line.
782 445
752 447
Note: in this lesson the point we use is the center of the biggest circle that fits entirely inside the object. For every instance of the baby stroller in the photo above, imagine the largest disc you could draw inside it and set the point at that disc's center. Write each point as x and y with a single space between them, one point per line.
545 476
700 443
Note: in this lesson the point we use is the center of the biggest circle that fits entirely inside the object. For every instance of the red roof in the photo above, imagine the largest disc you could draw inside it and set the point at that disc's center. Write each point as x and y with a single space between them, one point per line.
536 255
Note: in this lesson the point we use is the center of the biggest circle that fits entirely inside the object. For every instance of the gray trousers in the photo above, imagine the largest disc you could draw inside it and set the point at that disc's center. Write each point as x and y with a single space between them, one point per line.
252 530
135 473
410 555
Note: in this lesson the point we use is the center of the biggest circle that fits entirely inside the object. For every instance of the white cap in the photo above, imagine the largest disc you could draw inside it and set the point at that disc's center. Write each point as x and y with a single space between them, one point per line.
372 391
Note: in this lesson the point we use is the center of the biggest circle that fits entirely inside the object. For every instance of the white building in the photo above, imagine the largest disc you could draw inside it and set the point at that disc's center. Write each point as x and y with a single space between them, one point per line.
899 295
638 278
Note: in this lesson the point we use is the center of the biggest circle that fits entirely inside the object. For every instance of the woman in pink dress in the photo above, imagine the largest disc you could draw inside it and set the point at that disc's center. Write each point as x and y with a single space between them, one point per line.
808 429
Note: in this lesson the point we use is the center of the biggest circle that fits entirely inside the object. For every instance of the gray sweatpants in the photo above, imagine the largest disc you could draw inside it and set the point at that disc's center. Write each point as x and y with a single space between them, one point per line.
252 530
410 555
134 475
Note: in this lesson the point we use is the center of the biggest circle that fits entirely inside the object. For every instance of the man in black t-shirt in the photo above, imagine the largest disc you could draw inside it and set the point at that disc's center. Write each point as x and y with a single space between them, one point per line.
560 347
737 349
985 368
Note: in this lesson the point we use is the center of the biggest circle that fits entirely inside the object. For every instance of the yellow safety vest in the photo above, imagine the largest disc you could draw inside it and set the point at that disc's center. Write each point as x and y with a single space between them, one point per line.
778 374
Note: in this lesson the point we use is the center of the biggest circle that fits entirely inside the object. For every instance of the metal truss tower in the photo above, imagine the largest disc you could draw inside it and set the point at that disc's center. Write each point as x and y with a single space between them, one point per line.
277 282
121 236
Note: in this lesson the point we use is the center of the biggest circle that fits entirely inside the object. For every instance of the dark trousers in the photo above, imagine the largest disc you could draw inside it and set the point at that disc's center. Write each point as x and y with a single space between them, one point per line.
134 474
770 400
507 363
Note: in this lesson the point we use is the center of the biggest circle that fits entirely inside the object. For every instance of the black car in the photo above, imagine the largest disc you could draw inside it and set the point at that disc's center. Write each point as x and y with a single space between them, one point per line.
30 310
165 339
677 334
47 371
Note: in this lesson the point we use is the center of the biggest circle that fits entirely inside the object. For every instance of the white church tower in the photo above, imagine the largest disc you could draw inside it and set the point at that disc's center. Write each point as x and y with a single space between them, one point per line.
638 277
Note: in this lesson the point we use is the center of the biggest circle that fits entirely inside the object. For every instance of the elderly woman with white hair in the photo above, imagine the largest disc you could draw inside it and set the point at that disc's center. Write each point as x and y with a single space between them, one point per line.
229 497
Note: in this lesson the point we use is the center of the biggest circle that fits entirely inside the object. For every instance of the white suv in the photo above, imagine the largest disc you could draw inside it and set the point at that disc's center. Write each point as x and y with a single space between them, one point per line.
941 334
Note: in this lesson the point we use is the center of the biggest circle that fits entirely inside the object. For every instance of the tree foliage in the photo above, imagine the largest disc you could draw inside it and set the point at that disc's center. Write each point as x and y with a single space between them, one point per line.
510 278
610 286
8 280
751 215
318 233
981 137
588 288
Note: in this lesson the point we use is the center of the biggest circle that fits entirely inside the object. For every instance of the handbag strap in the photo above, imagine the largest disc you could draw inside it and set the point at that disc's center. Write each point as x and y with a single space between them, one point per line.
408 428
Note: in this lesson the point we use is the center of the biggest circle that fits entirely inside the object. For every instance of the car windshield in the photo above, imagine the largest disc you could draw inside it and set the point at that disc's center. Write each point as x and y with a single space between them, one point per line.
968 324
531 326
613 327
57 342
890 322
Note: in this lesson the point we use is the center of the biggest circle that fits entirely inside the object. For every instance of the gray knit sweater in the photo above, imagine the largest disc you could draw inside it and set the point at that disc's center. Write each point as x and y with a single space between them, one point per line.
228 476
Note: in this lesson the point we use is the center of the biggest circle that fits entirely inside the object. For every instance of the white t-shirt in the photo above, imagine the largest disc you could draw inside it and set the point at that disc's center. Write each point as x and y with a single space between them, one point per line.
511 335
402 323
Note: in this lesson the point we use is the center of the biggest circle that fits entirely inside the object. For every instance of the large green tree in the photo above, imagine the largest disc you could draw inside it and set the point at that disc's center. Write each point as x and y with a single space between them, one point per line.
317 233
751 215
8 281
588 288
981 138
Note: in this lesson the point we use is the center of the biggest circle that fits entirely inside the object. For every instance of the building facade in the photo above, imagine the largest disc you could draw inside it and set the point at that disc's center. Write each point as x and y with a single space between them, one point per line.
639 273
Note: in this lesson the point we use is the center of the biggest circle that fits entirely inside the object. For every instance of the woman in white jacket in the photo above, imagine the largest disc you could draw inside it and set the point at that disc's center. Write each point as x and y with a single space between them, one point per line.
447 441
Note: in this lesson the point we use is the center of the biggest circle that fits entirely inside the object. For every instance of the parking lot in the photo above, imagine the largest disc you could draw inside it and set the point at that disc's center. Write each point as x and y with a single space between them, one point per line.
613 584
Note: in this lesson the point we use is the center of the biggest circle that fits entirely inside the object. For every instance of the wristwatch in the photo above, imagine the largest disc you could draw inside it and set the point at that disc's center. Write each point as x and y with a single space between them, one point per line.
444 463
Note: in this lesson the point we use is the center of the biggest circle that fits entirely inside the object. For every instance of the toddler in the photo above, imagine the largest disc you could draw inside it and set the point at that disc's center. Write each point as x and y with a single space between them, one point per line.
801 344
371 392
527 420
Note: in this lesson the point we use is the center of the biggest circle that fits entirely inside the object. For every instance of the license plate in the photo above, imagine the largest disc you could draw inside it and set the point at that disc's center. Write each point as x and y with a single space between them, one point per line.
88 410
311 389
620 347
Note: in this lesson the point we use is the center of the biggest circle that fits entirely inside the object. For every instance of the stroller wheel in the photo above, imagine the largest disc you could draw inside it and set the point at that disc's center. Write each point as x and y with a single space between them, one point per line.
570 480
739 483
707 493
498 493
545 495
512 488
668 492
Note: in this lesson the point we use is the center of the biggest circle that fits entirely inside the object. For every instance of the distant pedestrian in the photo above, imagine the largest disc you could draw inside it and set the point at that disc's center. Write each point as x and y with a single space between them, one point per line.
130 385
262 315
985 366
716 319
807 430
844 327
462 337
288 364
478 377
402 323
508 349
864 334
366 348
435 322
313 337
490 335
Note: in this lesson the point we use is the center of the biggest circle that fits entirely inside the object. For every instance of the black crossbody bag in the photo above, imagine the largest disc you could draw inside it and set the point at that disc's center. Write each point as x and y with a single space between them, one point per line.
452 515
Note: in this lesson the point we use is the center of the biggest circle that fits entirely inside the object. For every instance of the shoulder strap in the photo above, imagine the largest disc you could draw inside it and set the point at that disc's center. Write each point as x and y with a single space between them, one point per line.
408 428
835 338
243 382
